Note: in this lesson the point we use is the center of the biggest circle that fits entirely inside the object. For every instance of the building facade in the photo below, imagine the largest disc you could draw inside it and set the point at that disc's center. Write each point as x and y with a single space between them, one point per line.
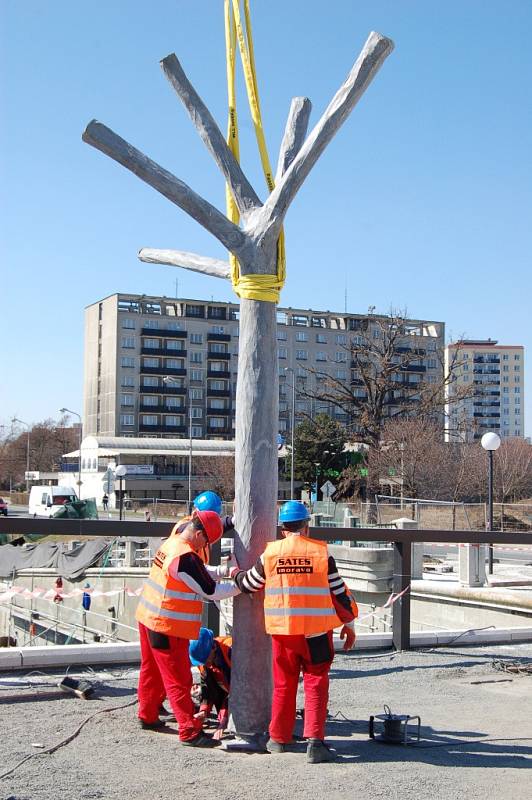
163 367
495 375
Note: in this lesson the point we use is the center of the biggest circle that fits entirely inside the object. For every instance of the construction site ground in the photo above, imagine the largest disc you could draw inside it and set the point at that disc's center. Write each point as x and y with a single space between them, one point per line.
476 736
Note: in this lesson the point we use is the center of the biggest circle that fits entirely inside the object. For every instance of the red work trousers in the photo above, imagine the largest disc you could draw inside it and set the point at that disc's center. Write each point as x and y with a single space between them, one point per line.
291 656
165 672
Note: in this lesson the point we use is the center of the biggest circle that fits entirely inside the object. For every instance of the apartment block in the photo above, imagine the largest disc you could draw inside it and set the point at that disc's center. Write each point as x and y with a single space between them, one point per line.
158 366
494 374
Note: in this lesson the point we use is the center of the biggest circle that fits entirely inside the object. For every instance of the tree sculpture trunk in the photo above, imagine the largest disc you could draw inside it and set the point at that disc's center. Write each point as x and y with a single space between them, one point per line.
255 246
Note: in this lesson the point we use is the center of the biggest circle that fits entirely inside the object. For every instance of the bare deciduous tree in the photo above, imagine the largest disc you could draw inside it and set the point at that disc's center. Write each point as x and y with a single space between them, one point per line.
388 378
219 473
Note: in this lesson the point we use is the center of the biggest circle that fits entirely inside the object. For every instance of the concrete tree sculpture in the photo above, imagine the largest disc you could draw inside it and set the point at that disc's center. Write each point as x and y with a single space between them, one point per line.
254 244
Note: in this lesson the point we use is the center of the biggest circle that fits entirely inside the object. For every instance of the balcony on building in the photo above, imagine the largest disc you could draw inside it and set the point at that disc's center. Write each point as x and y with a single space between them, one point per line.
218 337
218 392
212 373
162 428
161 371
218 356
163 389
160 333
219 412
163 351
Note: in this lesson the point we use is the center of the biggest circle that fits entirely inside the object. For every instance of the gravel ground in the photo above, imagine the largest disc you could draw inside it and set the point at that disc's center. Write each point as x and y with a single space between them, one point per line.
480 718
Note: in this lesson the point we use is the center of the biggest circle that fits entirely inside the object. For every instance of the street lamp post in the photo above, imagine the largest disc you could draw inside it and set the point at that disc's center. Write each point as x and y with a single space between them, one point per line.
317 465
490 442
21 422
171 379
291 369
75 413
121 471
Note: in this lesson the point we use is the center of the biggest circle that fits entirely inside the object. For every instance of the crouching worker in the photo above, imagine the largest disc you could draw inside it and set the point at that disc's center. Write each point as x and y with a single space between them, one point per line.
169 616
212 655
304 600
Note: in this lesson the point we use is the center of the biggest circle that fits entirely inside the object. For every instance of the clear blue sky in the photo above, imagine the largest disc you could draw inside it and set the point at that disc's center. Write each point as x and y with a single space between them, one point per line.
423 200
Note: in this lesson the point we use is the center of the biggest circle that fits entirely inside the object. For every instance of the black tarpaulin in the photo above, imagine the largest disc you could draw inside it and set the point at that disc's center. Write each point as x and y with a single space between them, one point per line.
70 564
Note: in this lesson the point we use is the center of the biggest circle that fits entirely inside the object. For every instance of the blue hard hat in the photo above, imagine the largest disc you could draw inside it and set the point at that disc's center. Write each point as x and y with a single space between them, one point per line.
200 648
293 511
208 501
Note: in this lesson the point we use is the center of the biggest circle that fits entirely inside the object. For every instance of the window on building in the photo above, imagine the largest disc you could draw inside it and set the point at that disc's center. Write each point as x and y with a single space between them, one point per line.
505 379
282 352
301 336
173 420
175 363
174 326
152 343
506 411
149 419
196 394
218 347
127 419
197 413
128 323
517 357
127 381
217 402
283 425
128 342
127 361
505 367
172 402
283 406
341 374
218 329
152 324
302 406
127 400
301 355
216 422
281 336
196 357
340 338
321 338
197 431
517 389
150 362
216 312
432 364
340 356
517 368
174 344
150 400
218 366
196 375
196 338
217 386
194 311
505 390
321 356
505 357
376 333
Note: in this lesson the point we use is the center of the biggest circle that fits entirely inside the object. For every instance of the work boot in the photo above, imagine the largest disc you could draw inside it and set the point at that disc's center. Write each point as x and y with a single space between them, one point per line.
280 747
201 740
152 726
318 752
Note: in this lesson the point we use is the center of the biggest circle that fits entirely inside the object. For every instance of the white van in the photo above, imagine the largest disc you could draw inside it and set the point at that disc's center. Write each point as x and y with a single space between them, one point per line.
46 500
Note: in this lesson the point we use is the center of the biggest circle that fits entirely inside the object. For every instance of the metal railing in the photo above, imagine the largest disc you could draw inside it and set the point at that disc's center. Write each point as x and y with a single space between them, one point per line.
401 540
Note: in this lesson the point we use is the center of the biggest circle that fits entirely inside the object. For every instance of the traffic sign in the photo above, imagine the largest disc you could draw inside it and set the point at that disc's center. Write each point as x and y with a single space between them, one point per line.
108 481
328 489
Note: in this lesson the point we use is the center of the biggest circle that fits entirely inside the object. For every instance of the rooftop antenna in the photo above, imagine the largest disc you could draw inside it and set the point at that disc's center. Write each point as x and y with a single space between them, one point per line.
345 296
177 288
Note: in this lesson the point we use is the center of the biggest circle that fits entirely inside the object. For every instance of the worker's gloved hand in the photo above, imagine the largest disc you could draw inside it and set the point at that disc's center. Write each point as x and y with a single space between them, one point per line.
201 715
349 635
229 568
223 720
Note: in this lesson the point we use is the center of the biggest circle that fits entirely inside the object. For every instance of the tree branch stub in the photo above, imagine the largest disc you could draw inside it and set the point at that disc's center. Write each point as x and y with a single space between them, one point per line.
192 261
243 193
107 141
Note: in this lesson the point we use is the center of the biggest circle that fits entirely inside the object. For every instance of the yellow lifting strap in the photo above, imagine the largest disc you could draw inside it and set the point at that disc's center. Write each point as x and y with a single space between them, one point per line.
251 287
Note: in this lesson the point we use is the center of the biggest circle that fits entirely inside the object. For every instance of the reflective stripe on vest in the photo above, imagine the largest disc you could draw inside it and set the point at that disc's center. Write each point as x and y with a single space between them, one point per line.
297 598
164 612
171 592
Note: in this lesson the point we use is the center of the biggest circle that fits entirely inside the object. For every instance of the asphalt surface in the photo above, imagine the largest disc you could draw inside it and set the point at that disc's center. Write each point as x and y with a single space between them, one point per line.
476 737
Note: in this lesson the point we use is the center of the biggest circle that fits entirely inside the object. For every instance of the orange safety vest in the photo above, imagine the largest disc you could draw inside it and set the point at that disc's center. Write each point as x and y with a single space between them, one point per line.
167 605
297 597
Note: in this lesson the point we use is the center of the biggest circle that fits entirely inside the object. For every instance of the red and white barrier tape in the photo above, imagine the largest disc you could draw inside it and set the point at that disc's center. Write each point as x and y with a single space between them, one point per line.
388 604
50 594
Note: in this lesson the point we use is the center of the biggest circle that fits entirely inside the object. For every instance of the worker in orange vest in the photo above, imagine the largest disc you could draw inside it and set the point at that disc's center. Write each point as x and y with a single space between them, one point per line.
212 655
305 599
169 616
